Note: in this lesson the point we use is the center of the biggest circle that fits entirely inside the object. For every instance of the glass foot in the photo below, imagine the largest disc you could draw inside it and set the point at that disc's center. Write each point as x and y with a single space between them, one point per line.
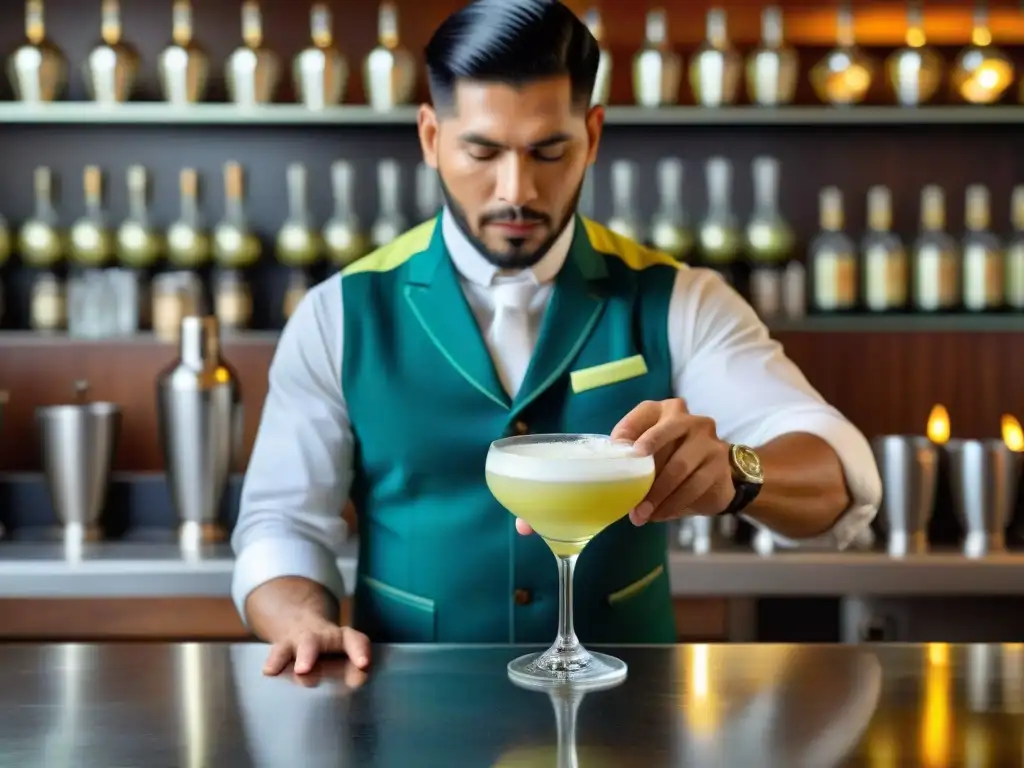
583 671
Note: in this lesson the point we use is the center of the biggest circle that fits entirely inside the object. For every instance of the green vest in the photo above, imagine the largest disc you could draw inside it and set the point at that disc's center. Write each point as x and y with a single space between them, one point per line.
439 559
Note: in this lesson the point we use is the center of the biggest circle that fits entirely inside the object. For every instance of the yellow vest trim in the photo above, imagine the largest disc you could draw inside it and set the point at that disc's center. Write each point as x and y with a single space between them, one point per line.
396 253
632 254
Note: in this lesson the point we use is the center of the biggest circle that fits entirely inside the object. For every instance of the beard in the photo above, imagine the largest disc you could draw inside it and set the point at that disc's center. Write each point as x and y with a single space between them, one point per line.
516 257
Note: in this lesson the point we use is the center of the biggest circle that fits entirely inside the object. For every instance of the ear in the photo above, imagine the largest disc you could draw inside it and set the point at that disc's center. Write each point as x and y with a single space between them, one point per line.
426 125
595 126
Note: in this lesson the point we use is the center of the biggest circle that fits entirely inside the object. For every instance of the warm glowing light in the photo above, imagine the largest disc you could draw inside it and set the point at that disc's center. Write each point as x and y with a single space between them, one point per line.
701 706
1013 435
938 425
981 36
937 719
882 751
915 37
222 375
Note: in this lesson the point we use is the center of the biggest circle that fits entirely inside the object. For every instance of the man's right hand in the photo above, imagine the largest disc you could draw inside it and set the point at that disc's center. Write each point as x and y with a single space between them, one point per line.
305 642
295 616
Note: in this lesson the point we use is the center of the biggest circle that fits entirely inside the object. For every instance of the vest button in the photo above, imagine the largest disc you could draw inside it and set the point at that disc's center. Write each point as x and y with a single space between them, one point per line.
522 597
521 427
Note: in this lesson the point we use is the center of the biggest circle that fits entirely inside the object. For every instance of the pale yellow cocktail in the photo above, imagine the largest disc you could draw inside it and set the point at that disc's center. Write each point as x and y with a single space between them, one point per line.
568 488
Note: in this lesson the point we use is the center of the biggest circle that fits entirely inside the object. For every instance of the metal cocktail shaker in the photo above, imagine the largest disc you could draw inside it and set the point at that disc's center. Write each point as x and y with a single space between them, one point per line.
909 467
985 477
200 420
78 443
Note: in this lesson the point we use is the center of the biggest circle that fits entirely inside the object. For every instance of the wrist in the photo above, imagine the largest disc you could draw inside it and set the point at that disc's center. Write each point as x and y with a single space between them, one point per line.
278 606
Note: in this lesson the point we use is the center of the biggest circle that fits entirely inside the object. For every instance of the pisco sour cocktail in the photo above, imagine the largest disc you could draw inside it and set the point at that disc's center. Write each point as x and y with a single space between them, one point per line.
568 488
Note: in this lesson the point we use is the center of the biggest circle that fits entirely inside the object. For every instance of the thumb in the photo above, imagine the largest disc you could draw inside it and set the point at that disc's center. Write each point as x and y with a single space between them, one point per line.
356 646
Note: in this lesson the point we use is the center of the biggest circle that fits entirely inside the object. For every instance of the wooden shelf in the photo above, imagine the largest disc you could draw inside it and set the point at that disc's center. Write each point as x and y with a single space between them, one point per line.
952 323
866 323
157 113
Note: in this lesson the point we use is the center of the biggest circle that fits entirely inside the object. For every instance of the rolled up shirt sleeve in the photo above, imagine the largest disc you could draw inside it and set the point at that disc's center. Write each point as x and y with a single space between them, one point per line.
300 471
727 367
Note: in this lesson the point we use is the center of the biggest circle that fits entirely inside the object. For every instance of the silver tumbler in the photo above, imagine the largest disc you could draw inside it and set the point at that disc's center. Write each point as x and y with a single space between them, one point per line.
200 422
78 445
909 467
985 476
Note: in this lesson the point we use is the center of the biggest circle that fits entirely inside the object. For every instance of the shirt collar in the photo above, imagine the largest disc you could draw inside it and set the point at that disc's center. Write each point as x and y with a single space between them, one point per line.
474 267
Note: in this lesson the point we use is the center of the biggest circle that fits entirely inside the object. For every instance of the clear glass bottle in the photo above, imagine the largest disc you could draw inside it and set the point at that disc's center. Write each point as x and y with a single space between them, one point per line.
298 241
885 272
657 69
41 243
602 85
232 300
719 235
983 259
139 243
390 222
842 78
188 241
389 71
252 71
92 241
670 230
38 69
48 304
716 67
935 259
343 233
833 258
769 239
625 219
915 70
235 245
773 67
1015 252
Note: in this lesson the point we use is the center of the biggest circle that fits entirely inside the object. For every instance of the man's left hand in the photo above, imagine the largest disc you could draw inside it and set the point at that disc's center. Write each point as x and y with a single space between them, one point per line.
693 475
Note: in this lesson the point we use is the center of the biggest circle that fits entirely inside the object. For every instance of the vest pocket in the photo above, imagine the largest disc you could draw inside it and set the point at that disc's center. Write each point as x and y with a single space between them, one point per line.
396 616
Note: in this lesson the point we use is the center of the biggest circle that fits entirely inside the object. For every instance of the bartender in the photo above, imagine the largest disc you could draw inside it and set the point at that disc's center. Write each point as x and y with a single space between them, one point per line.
393 377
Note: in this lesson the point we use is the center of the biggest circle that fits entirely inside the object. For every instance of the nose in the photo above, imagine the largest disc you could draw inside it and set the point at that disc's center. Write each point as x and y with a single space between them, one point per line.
515 180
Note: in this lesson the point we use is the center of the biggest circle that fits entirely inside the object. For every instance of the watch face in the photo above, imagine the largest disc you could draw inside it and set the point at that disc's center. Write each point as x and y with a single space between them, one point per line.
748 463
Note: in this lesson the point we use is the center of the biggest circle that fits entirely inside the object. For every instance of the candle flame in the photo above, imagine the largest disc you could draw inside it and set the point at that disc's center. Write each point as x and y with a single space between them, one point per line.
938 425
1013 435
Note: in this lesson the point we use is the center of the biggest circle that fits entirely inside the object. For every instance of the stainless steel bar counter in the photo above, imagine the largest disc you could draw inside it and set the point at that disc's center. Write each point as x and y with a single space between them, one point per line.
192 705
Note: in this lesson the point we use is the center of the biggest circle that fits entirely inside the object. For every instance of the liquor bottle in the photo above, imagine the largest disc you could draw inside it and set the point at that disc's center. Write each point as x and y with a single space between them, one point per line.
768 239
657 69
298 242
625 220
253 71
935 259
188 241
603 83
41 244
390 222
343 233
832 258
670 230
1015 252
915 70
716 67
38 69
428 192
843 76
139 244
184 66
772 67
389 71
885 268
983 259
719 235
235 246
981 72
112 66
321 70
91 240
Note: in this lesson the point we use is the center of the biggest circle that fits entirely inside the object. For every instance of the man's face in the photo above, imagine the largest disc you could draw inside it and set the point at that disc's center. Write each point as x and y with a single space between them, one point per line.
511 162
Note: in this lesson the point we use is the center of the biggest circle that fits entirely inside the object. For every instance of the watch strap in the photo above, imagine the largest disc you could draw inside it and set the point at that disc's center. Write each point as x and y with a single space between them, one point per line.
745 494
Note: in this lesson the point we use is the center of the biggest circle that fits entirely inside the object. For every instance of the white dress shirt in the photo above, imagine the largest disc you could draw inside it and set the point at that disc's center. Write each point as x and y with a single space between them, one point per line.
724 364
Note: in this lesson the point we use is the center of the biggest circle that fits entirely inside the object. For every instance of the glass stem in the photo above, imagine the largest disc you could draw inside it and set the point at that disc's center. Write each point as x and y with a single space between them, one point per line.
567 641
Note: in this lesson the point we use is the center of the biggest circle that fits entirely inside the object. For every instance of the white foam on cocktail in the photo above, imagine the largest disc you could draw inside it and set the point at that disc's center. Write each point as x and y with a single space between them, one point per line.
570 461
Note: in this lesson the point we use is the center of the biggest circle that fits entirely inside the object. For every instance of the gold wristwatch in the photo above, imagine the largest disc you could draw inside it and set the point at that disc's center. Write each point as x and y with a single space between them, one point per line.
747 477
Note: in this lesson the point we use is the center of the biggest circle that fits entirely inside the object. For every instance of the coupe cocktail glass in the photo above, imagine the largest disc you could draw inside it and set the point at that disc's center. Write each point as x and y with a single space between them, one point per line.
568 488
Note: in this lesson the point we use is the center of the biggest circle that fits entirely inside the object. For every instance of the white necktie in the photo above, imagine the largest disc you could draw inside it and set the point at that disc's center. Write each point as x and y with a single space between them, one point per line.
511 340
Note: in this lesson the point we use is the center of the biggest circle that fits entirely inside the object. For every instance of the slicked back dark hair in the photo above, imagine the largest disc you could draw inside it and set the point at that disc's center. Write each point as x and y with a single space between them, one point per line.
513 42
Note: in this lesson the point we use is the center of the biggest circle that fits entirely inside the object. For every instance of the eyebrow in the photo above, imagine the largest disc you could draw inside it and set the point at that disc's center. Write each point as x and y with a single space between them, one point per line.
483 141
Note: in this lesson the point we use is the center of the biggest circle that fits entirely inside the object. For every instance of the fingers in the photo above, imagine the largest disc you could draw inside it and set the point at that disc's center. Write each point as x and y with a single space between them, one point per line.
523 527
356 646
699 484
277 660
637 421
674 424
306 646
677 470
